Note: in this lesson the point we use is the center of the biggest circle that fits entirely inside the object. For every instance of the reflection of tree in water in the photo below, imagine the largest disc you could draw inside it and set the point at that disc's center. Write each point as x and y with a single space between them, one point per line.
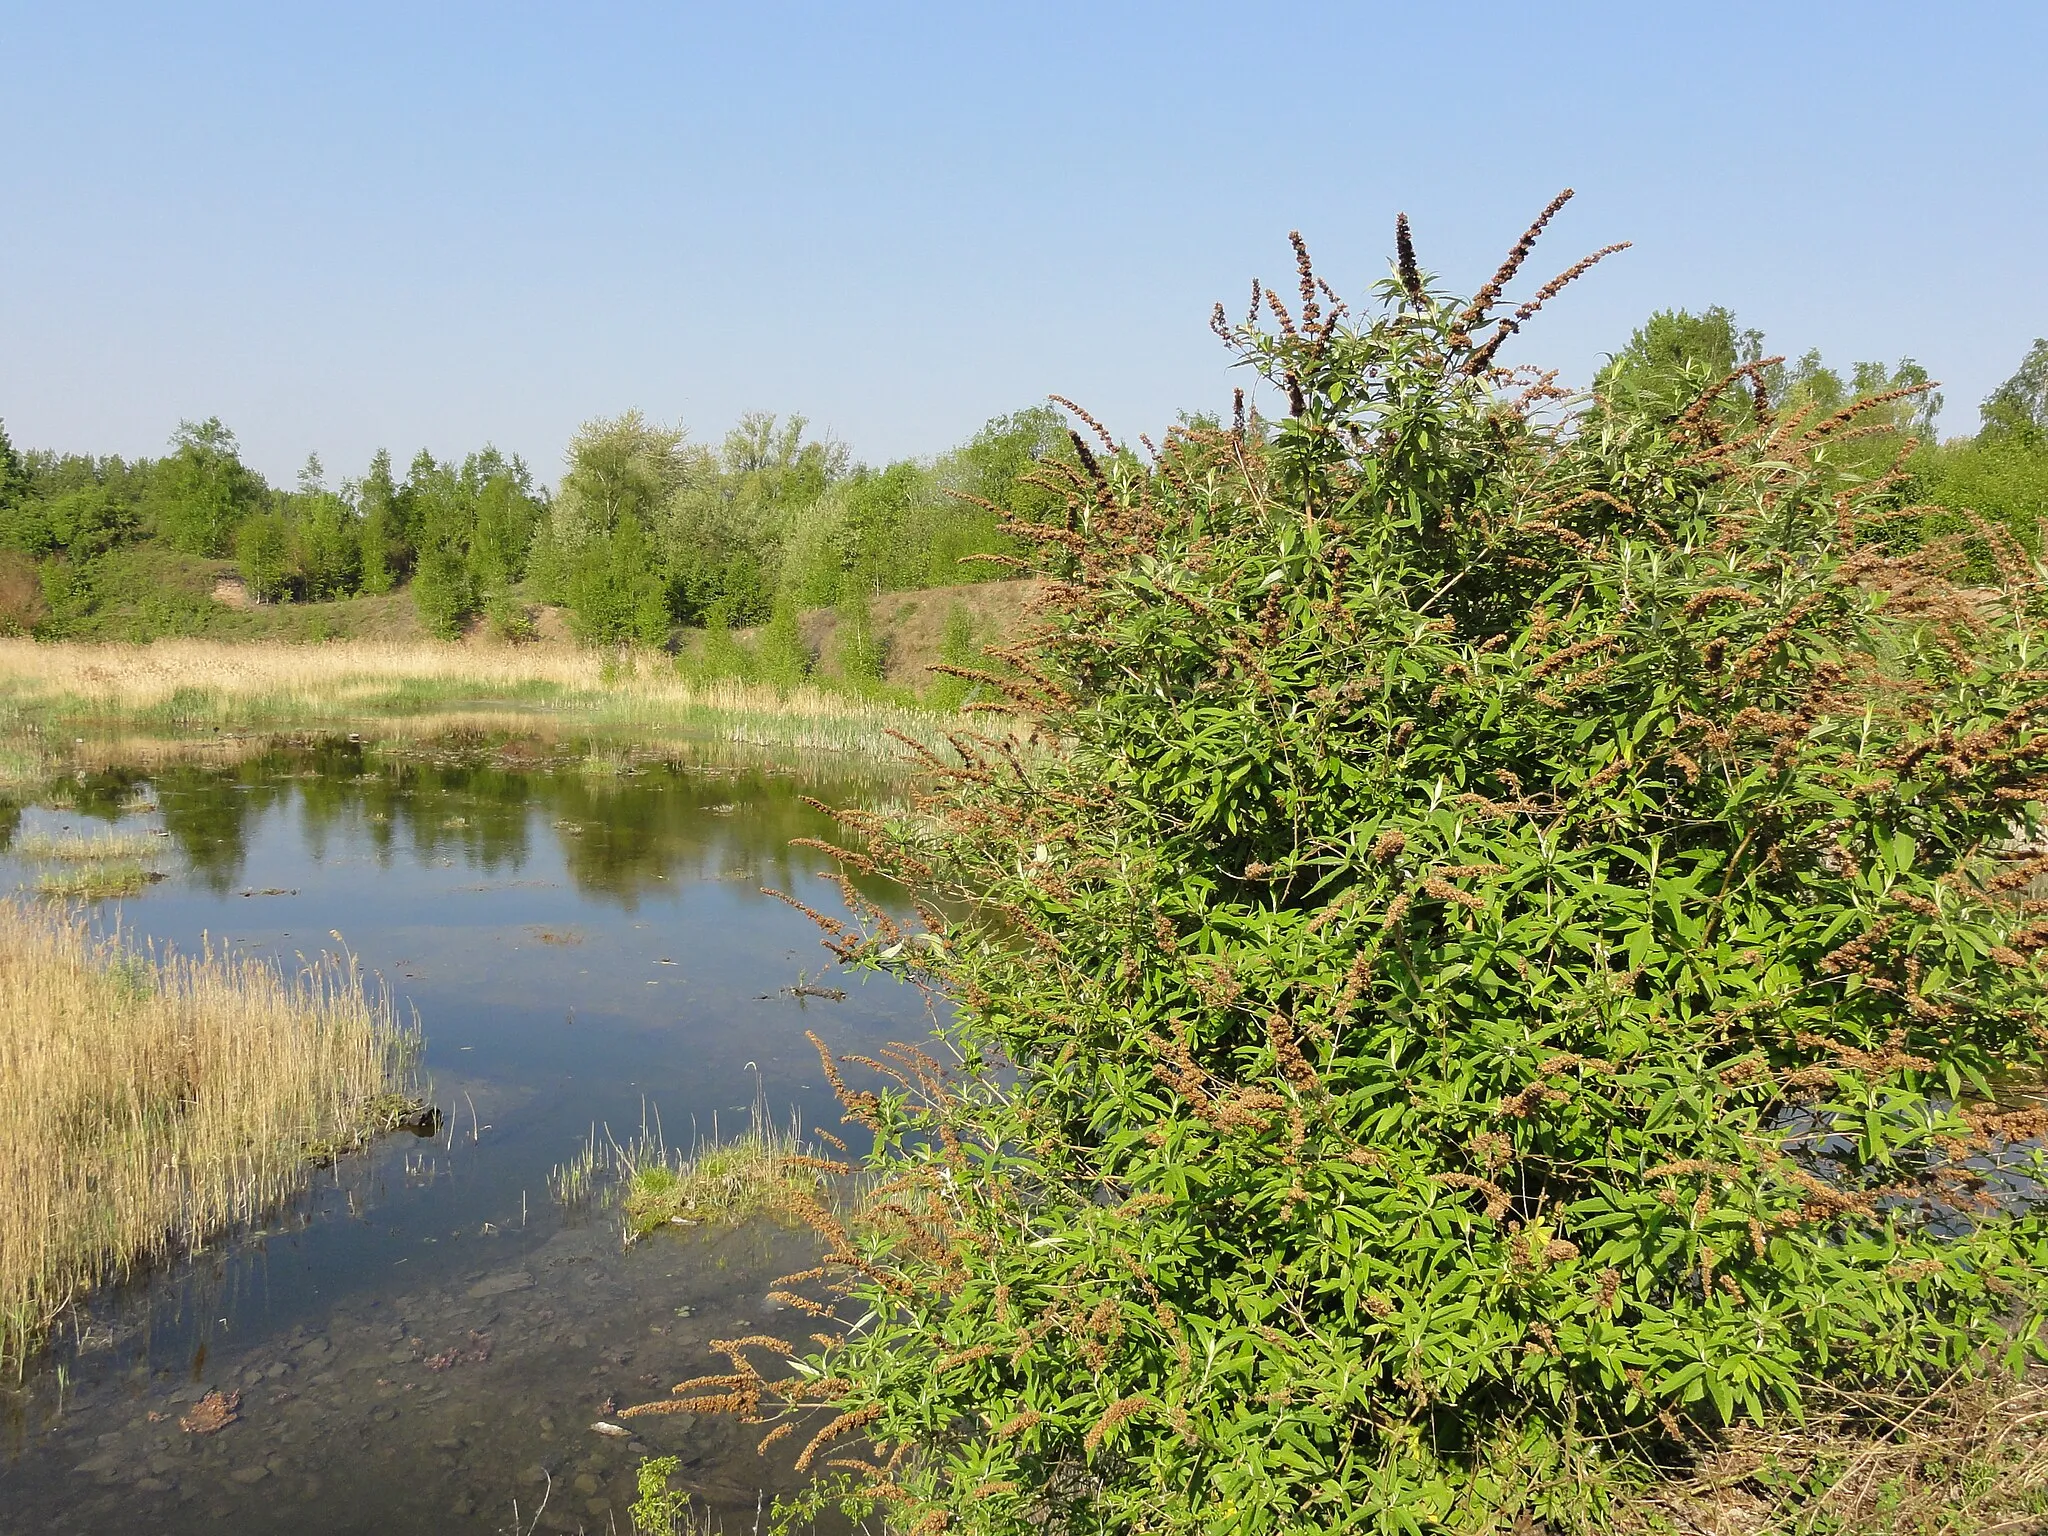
207 812
441 807
622 833
625 835
102 795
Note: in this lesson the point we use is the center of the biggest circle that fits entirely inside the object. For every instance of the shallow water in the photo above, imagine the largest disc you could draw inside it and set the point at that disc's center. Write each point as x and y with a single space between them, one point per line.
426 1335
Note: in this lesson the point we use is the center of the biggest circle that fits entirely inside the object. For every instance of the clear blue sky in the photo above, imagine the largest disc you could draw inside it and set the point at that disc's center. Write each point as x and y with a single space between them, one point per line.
438 224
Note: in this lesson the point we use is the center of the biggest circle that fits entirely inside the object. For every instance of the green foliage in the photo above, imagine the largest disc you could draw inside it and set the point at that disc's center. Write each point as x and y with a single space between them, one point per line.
468 527
620 470
661 1510
80 521
1998 475
1676 357
137 592
13 475
511 620
615 595
856 648
784 659
326 546
767 512
202 491
720 655
2018 408
443 593
385 549
502 532
1003 463
959 646
1673 357
1516 964
263 552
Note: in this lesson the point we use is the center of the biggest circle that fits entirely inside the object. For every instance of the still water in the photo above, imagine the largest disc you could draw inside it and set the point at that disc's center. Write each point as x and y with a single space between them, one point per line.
427 1336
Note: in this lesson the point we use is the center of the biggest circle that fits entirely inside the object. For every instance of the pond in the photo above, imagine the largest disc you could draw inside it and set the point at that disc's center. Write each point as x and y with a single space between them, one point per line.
427 1336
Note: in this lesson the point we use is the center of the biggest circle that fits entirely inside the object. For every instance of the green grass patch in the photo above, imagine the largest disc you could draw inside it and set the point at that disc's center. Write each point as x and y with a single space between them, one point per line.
764 1171
102 848
97 881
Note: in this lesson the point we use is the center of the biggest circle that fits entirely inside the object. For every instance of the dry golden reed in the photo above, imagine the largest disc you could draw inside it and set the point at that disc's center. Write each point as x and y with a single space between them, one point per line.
148 1104
192 683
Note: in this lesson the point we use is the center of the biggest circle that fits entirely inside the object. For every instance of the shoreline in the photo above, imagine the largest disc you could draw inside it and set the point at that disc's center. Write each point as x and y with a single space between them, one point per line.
197 690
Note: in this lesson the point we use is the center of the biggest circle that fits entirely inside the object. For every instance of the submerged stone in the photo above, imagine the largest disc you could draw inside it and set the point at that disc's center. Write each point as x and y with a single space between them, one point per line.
498 1285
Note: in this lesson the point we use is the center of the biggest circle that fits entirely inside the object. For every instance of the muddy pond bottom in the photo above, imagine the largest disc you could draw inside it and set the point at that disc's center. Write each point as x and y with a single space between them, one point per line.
451 1409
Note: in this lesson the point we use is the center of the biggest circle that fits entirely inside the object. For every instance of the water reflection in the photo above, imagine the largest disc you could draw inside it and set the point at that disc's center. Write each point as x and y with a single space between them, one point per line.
582 934
623 826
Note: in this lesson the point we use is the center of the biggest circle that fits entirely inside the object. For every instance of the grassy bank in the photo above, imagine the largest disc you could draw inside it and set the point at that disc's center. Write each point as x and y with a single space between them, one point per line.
182 687
147 1105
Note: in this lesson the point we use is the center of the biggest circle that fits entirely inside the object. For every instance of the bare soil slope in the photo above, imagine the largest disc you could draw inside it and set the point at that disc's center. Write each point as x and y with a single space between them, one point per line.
911 625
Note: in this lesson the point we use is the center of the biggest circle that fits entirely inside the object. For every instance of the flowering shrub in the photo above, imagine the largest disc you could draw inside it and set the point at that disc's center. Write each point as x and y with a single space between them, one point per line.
1515 954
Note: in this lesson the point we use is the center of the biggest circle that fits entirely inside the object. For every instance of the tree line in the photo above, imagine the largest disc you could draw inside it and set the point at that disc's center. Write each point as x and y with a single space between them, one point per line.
1999 472
649 529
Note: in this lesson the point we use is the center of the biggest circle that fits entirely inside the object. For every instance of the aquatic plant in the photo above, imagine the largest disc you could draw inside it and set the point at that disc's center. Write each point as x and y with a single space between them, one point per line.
106 847
91 868
731 1180
1519 966
758 1173
97 880
149 1102
664 1511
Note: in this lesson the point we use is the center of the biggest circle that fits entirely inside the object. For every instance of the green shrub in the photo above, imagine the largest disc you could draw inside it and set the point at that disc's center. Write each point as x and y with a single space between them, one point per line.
719 655
959 646
511 620
442 592
138 592
784 659
661 1510
856 647
2002 478
615 594
263 547
1515 964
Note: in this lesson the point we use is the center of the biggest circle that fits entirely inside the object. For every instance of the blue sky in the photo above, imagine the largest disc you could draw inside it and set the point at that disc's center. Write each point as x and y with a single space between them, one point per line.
439 225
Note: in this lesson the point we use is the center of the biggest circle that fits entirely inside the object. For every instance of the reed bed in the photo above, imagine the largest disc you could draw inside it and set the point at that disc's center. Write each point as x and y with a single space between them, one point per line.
150 1103
198 685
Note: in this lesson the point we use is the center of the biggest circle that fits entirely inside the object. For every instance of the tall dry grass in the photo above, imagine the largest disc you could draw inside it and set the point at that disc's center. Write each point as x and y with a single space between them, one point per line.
129 677
197 684
149 1103
1969 1459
